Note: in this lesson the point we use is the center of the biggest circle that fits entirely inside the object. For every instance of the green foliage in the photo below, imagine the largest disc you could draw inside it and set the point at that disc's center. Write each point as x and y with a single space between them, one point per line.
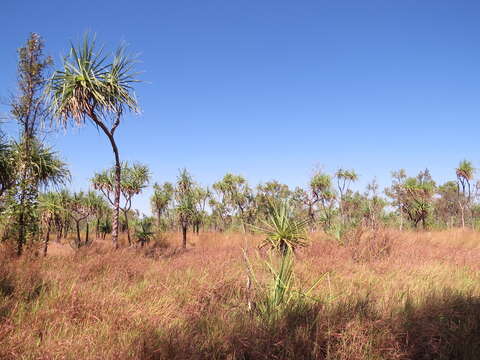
284 234
283 230
92 84
81 207
105 227
320 185
44 166
35 166
236 197
280 294
144 230
161 199
465 170
98 87
185 198
134 178
418 197
27 164
7 168
413 196
446 204
267 192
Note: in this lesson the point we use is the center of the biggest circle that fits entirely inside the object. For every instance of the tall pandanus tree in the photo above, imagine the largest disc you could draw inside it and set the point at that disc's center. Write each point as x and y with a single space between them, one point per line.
344 179
98 87
185 202
417 197
323 194
464 172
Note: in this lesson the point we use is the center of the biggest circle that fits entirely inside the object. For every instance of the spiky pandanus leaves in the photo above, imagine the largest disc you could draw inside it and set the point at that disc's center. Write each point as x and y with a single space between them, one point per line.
98 87
44 163
283 230
39 167
281 294
134 178
144 230
90 85
465 170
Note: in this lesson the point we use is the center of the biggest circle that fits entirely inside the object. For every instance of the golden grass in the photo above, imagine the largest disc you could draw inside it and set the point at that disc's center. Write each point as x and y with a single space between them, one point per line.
420 301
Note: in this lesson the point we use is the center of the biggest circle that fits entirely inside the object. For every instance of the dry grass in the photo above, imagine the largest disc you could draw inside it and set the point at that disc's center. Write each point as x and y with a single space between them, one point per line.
419 300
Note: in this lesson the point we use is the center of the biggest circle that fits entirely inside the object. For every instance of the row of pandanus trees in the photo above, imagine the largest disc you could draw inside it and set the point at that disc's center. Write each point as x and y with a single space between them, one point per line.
58 210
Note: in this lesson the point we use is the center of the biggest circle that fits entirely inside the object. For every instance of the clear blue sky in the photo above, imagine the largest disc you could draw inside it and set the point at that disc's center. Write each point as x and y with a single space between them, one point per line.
271 89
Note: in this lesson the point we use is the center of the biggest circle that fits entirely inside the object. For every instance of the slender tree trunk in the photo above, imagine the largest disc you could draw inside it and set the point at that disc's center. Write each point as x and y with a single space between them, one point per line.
21 231
86 235
59 233
159 218
21 216
401 220
97 228
128 228
79 240
340 208
462 211
47 239
311 215
118 170
184 236
116 202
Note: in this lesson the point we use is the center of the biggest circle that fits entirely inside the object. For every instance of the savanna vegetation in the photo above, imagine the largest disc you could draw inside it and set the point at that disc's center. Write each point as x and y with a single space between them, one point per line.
230 270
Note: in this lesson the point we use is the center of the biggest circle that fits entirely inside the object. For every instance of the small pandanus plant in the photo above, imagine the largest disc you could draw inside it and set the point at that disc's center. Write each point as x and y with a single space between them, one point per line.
284 233
283 230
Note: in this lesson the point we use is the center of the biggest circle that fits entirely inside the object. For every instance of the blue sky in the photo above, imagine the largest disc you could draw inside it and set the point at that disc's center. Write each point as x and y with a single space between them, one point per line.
273 89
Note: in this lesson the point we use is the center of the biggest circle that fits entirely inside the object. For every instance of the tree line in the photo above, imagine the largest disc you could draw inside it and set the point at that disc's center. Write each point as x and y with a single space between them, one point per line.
329 202
96 87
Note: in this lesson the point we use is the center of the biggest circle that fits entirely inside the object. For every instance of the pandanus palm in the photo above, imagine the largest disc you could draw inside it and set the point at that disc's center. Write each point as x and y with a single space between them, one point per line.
464 172
93 86
284 231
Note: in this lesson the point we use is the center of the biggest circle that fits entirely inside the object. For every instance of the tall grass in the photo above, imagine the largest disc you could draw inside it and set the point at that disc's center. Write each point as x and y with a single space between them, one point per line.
421 300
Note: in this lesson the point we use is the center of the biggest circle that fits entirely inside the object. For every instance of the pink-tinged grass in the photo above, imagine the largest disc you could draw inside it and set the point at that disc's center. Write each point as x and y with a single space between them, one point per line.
419 300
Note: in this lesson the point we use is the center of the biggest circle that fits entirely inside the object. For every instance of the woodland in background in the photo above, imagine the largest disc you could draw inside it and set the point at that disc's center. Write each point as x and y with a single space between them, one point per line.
331 272
35 201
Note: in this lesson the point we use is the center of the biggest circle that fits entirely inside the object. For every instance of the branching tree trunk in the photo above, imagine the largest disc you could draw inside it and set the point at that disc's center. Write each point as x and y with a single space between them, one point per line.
104 92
